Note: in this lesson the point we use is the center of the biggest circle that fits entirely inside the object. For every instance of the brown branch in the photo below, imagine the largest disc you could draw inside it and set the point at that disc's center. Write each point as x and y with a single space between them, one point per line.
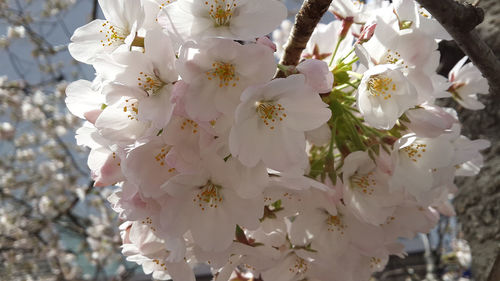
460 21
306 20
95 9
495 269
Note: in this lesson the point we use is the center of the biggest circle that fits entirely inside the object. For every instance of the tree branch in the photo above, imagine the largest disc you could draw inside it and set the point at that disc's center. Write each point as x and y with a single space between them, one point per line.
95 9
460 21
306 20
495 269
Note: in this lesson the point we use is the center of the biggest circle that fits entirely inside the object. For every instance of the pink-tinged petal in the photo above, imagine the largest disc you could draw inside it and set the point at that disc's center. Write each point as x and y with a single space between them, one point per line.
305 112
244 144
250 181
92 115
82 98
265 41
180 271
319 136
147 167
213 230
157 108
160 50
87 42
199 101
114 124
317 74
429 121
284 150
105 167
258 18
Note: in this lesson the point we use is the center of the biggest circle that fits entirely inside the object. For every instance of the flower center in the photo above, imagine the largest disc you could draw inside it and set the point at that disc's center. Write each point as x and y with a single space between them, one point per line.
299 267
224 72
270 113
221 11
150 83
149 222
335 224
366 183
132 108
208 196
381 86
113 34
453 89
375 262
160 157
393 57
414 151
189 125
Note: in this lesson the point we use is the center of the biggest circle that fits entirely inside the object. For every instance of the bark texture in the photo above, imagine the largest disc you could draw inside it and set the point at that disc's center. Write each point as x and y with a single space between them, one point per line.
460 21
478 200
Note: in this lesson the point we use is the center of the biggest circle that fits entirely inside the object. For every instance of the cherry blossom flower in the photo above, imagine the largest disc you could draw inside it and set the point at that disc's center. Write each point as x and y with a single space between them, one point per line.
233 19
429 121
323 40
467 82
143 247
117 32
358 10
104 159
415 51
208 205
317 74
119 120
279 113
217 71
410 15
83 100
384 95
366 189
152 72
421 156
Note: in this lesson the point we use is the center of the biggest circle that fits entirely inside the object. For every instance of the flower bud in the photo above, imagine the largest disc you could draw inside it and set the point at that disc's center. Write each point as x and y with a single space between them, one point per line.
366 33
317 74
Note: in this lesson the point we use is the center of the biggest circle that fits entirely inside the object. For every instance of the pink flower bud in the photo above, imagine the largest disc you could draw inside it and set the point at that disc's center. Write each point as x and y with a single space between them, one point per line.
429 121
366 33
264 40
317 74
92 115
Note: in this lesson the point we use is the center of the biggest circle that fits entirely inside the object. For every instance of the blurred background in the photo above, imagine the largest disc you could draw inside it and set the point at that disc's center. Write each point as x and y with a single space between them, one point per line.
54 225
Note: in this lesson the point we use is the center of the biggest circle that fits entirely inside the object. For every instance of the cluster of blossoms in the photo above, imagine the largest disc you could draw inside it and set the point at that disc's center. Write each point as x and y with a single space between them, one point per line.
313 176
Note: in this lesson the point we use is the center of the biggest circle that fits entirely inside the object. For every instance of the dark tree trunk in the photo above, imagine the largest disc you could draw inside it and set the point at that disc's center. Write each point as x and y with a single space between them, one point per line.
478 200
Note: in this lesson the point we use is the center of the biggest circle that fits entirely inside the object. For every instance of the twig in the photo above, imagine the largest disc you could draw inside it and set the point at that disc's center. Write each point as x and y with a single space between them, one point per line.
95 9
460 21
73 203
306 20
